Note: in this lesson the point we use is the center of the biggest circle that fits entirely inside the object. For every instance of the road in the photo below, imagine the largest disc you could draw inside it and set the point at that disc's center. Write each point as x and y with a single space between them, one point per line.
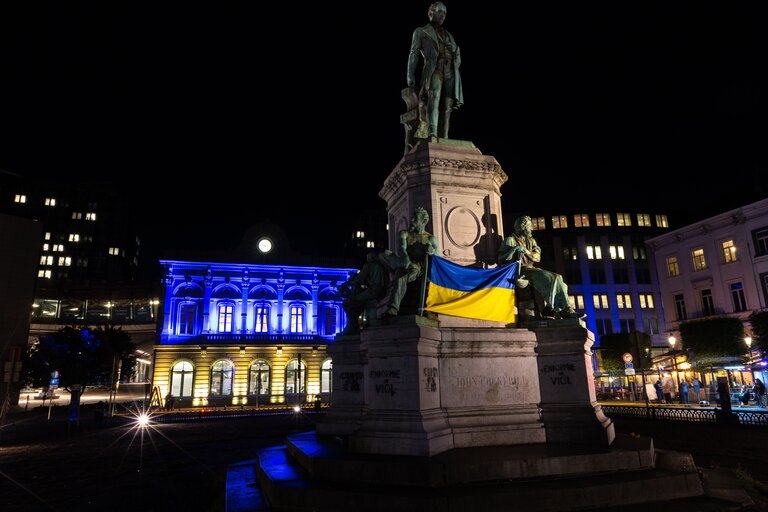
125 392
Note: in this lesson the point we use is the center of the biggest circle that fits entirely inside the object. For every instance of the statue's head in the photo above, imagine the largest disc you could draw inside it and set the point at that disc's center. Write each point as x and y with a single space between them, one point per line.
523 224
420 217
437 13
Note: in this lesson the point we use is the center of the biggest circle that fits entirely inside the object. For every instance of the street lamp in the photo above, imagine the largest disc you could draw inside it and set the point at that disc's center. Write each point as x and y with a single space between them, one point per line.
748 341
672 340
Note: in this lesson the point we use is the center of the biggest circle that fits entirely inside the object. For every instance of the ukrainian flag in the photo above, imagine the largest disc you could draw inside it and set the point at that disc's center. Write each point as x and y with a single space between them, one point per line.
484 294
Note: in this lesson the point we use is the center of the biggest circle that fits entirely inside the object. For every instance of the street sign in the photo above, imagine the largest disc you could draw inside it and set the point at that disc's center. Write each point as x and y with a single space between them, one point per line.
627 357
629 371
628 365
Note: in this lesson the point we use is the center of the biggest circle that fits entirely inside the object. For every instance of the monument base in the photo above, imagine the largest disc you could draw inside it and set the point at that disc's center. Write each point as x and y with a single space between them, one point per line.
317 474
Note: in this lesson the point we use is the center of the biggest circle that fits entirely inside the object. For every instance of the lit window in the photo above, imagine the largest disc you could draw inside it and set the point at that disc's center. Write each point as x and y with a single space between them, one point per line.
603 219
42 260
258 382
729 251
559 221
50 201
45 247
77 215
643 219
46 274
90 216
359 234
369 244
581 220
699 263
623 219
261 314
326 371
594 252
646 301
576 301
600 301
673 268
638 253
181 380
49 260
47 235
20 198
74 237
114 251
41 273
297 319
661 221
221 378
617 252
539 223
624 300
226 313
295 377
571 253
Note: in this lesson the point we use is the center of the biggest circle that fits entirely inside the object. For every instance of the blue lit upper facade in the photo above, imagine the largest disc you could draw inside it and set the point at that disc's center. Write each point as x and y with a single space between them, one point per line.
221 302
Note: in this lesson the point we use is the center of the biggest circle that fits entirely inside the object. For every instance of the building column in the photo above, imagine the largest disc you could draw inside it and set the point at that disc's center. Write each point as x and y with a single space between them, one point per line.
244 303
315 287
167 306
207 300
280 292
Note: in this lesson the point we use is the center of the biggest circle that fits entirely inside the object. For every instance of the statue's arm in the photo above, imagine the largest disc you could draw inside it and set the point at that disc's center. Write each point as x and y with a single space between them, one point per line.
432 247
403 244
458 56
507 250
413 57
535 252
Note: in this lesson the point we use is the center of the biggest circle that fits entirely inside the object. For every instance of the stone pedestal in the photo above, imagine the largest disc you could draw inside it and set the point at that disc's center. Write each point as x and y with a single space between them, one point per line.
346 413
569 405
459 187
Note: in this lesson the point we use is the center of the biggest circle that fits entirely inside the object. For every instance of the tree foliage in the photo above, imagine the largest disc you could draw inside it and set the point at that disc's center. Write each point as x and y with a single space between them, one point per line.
759 321
714 337
613 346
82 356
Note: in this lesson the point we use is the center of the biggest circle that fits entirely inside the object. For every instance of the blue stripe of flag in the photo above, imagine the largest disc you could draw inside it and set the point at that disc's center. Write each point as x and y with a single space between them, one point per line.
450 275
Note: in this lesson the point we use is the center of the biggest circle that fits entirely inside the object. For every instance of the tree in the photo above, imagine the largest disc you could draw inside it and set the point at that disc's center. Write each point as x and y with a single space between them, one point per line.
82 356
613 346
759 321
714 337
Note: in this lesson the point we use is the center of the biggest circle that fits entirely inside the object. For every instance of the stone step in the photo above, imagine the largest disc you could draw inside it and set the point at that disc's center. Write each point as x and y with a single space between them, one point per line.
326 458
243 493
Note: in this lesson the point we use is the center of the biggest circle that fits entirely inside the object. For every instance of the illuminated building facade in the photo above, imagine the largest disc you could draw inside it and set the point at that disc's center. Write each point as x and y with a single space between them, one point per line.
247 334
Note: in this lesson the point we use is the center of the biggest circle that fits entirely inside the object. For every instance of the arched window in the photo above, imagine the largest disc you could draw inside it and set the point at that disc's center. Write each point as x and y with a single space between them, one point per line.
187 318
221 378
326 376
330 320
226 316
181 379
258 380
295 383
297 318
261 317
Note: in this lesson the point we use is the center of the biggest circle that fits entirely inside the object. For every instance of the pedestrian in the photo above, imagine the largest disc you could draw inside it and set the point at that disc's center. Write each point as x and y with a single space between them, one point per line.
760 393
697 389
659 392
684 391
169 400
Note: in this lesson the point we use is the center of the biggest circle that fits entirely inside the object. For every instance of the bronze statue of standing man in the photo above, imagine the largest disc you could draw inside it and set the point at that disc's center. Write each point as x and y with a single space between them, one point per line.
440 89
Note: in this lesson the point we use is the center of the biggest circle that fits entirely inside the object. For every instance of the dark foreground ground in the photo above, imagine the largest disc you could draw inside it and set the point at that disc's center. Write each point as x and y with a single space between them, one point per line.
183 466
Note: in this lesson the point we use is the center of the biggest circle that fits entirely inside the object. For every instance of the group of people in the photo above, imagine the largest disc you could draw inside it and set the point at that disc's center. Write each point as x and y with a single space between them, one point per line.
692 391
756 391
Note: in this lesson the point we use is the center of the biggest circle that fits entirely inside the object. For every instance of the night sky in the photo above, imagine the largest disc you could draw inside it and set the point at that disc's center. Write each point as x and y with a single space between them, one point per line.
193 108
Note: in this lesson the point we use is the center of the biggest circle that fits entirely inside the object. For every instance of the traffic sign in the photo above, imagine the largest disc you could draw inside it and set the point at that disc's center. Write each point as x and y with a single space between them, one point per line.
627 357
628 365
629 371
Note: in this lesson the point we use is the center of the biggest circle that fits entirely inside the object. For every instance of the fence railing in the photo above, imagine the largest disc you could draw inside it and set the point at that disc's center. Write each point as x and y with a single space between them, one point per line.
690 414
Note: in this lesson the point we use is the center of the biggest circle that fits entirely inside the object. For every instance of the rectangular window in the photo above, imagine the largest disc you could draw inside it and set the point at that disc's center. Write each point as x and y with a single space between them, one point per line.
627 324
600 301
729 251
74 237
573 275
594 252
114 251
297 319
576 301
661 221
643 219
673 268
581 220
651 325
643 275
682 314
707 305
624 300
570 253
20 198
50 201
737 293
699 263
559 221
369 244
764 282
638 253
187 319
620 275
623 219
603 219
329 321
65 261
226 312
539 223
47 236
262 319
77 215
760 236
597 275
49 260
359 234
617 252
90 216
646 301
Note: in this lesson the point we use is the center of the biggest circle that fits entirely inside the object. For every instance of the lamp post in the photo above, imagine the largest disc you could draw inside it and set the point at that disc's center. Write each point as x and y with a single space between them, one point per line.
748 341
672 340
